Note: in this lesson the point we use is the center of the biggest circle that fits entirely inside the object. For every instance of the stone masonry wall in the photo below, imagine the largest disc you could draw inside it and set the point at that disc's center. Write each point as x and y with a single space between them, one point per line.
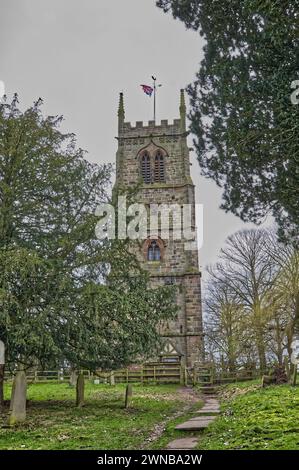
177 266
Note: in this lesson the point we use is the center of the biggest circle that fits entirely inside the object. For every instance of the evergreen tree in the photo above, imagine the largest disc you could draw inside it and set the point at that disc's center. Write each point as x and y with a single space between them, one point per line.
245 125
55 302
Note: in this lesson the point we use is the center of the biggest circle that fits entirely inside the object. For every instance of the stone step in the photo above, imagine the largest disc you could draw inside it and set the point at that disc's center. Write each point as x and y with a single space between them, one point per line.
211 411
183 444
210 389
196 424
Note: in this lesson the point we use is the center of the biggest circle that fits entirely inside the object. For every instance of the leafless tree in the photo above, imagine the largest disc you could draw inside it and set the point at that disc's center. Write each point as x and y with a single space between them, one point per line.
283 298
225 322
249 270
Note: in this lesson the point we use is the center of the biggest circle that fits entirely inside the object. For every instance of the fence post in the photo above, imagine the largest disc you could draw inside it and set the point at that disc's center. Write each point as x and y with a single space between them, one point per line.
182 375
127 371
185 376
194 376
141 374
154 373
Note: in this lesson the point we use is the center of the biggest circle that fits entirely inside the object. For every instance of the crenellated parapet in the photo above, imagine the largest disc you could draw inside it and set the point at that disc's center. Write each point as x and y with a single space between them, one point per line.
151 128
142 129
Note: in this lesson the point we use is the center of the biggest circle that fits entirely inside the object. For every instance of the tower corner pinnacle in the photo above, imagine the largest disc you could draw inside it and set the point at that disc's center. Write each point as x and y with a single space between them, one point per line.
121 112
183 110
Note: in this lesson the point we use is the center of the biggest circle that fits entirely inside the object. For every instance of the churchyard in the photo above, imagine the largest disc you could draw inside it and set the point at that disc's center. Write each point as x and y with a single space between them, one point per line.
54 422
249 417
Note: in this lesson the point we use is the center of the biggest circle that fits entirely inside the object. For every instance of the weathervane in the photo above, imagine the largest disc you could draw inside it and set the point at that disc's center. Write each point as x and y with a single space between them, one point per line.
155 90
148 90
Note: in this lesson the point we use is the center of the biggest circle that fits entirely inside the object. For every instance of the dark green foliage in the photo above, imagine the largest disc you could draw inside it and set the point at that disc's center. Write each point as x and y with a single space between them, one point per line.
113 325
245 126
55 303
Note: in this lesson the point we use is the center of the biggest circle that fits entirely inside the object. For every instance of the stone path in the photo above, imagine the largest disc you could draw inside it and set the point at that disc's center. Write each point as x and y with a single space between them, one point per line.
206 416
190 397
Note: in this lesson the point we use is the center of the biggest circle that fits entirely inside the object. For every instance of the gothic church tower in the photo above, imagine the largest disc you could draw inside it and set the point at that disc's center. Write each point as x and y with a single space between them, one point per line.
157 156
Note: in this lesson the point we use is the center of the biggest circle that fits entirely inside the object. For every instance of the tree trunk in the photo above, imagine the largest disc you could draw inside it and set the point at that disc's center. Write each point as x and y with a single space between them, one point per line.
294 378
287 367
2 368
295 335
261 353
18 399
231 356
279 342
296 320
80 390
260 343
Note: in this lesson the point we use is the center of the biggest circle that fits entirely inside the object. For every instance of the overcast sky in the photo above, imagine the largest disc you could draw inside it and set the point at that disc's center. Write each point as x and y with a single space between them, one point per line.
79 54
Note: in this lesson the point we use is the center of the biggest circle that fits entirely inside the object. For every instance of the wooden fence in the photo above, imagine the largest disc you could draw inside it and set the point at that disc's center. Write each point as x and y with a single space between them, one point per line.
154 372
147 373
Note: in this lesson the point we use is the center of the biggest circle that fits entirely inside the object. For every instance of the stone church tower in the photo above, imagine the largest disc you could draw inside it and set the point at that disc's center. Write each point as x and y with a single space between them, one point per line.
157 156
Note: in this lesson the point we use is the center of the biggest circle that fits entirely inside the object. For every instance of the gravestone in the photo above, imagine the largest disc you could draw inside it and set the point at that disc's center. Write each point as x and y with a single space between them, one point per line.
2 353
128 397
112 378
2 365
80 390
18 399
73 378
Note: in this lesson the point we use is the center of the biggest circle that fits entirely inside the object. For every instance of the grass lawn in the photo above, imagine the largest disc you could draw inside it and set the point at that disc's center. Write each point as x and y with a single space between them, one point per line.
53 421
255 418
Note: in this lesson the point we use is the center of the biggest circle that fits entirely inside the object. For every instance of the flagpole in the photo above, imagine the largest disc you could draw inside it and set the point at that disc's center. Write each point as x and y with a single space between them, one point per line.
154 79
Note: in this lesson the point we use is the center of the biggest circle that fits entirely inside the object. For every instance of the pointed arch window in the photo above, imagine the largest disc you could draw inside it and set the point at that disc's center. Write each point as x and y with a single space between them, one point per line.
159 171
153 252
145 167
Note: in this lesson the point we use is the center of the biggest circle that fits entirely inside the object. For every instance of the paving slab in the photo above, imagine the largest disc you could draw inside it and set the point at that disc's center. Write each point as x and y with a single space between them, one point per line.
182 444
196 424
211 405
203 418
203 411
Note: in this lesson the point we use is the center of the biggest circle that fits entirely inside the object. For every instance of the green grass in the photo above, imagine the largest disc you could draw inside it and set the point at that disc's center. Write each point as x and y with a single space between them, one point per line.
170 433
252 418
53 421
255 418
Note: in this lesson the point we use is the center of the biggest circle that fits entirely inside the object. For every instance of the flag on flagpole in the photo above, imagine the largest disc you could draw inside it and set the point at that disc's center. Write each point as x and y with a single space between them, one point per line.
148 90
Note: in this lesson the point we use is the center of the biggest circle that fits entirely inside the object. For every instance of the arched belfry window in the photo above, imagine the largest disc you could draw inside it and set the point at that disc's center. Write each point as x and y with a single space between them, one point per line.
153 252
145 164
152 162
159 170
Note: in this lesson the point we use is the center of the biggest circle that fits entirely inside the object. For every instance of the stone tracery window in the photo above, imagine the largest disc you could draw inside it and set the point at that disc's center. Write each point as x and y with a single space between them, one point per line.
153 252
146 168
152 164
159 169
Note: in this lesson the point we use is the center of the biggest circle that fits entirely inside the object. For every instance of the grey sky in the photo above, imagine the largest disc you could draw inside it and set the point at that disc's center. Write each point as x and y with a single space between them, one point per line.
78 55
